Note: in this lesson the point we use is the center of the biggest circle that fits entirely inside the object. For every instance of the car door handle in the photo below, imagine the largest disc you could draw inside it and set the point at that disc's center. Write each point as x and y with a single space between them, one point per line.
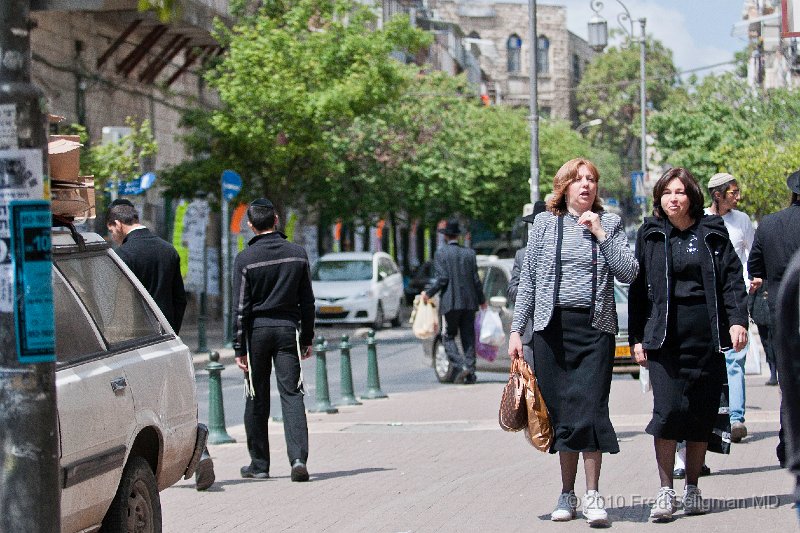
118 384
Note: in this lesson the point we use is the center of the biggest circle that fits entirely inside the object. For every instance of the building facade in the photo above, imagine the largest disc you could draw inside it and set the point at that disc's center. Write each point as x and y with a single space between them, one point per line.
497 34
774 62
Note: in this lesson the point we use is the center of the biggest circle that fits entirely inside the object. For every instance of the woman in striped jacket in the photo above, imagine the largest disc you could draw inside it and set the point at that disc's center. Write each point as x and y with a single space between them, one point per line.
574 252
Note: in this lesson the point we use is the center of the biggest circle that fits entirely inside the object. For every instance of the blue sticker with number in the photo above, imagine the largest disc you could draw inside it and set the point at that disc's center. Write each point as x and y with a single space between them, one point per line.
30 222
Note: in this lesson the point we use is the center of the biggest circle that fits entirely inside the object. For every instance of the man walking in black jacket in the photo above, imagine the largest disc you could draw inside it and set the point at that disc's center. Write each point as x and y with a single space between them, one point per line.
272 299
156 264
456 272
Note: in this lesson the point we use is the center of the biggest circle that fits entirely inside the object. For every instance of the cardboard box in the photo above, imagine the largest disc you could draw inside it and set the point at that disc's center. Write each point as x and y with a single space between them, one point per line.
64 158
73 199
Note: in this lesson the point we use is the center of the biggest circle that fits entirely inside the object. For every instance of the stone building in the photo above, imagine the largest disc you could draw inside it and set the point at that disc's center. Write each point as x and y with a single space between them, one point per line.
100 61
497 33
774 61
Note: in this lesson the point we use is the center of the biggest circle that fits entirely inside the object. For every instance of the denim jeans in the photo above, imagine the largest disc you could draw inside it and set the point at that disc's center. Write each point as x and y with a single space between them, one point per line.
734 361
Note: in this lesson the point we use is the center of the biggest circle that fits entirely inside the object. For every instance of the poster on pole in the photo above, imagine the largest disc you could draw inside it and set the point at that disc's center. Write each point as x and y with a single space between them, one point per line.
195 221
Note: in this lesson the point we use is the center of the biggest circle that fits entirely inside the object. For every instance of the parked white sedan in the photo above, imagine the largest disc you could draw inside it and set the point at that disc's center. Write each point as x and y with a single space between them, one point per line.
357 287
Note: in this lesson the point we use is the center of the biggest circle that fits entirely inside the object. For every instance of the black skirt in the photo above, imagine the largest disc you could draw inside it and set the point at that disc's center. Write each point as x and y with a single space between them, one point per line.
687 375
573 365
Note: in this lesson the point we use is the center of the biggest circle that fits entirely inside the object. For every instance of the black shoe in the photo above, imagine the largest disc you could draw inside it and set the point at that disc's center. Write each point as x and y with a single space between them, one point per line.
247 472
705 471
771 382
204 475
461 375
471 379
678 473
299 471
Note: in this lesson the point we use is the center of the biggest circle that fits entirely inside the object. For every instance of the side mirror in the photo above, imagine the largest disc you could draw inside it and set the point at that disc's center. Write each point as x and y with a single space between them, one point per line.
498 301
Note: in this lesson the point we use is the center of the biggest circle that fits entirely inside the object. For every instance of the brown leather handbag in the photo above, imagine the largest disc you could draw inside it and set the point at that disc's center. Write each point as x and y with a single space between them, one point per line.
513 414
538 430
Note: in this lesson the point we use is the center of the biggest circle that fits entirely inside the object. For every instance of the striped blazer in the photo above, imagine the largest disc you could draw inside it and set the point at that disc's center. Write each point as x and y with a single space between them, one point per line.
536 293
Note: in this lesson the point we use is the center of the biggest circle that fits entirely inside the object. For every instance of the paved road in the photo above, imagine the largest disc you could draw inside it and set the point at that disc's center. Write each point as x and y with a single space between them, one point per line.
432 458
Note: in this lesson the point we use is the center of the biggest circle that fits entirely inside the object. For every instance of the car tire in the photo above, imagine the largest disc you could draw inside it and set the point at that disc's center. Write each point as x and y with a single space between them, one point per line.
379 318
444 369
136 505
396 321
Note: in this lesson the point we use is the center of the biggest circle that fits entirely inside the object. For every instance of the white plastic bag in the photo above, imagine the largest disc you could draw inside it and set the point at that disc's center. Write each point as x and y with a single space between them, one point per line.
644 380
492 329
426 321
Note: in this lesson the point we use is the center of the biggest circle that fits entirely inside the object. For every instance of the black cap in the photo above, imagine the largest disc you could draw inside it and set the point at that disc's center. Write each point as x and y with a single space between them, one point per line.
793 182
538 207
452 227
121 201
262 202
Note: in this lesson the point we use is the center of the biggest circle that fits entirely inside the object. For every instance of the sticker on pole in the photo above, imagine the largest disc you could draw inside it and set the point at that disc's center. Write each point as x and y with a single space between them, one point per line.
33 291
231 184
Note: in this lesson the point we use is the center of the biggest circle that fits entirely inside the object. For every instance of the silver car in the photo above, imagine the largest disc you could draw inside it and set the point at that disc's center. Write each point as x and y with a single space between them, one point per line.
495 274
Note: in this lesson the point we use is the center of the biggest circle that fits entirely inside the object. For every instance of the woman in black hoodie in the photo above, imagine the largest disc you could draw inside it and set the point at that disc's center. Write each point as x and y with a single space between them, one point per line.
687 305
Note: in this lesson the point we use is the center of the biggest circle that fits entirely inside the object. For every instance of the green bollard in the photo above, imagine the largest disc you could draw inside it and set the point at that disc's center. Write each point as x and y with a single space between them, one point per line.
323 396
373 379
217 434
346 380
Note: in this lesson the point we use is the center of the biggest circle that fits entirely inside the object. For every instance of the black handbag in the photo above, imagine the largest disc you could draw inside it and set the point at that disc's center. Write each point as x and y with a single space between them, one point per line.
758 306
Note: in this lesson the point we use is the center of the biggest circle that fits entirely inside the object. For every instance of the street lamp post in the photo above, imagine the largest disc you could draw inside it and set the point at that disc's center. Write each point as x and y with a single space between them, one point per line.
534 100
598 40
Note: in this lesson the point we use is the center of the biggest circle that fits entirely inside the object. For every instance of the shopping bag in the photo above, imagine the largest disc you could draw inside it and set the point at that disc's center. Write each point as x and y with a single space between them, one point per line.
644 379
425 323
539 430
485 351
720 439
513 415
492 329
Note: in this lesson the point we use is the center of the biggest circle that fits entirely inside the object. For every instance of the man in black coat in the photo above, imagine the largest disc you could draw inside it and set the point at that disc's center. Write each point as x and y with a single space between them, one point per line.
156 264
153 260
777 240
274 323
456 271
788 359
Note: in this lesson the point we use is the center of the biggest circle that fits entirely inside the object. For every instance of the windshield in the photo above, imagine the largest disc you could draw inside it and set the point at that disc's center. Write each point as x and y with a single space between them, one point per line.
342 271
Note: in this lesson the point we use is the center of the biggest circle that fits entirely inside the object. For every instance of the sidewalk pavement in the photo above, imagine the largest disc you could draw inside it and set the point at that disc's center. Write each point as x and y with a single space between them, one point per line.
436 460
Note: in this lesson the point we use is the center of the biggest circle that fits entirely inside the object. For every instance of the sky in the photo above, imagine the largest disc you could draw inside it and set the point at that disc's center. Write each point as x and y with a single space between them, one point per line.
697 31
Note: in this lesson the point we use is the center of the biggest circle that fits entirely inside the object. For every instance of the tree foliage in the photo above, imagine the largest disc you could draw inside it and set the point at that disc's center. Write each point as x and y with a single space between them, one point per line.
609 90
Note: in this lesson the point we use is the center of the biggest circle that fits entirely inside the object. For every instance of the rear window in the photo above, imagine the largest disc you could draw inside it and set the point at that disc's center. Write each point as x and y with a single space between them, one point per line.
120 312
75 336
342 271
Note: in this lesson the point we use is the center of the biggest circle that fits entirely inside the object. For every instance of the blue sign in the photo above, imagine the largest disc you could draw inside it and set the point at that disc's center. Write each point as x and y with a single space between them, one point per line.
32 263
138 185
612 202
231 184
637 185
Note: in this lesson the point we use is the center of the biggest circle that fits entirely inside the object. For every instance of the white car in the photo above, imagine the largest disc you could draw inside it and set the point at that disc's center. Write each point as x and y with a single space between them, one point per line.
357 287
127 409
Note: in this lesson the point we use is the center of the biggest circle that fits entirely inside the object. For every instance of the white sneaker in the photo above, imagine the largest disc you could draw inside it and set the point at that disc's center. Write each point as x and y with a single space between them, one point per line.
594 509
664 505
565 508
693 501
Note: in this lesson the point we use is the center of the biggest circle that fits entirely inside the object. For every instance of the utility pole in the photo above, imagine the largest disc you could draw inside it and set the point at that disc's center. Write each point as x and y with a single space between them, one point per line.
29 492
643 108
534 99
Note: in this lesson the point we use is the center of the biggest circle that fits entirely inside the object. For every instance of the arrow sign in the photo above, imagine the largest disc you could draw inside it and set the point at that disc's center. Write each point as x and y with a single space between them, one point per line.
231 184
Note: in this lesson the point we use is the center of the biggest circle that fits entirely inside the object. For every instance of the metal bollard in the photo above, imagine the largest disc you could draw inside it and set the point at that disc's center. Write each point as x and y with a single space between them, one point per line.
323 396
373 379
217 434
346 377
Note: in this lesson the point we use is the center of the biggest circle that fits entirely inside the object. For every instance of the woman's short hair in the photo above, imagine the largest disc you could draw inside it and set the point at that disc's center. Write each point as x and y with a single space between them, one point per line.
689 182
566 175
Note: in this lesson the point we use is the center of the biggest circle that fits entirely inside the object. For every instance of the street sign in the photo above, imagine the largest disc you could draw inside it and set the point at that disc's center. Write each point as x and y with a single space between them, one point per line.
231 184
637 185
138 185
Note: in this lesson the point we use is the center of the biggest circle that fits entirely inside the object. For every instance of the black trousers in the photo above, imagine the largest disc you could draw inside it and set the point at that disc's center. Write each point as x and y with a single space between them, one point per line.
460 321
278 345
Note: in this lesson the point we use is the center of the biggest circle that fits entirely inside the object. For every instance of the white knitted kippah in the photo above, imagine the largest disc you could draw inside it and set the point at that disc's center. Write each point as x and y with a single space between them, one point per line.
719 179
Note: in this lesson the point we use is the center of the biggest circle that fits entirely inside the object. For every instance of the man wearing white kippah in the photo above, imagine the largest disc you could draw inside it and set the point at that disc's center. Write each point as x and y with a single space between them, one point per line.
725 195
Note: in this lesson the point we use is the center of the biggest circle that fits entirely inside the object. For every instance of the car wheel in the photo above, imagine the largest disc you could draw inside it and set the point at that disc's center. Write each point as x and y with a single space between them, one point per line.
444 368
379 318
136 506
396 320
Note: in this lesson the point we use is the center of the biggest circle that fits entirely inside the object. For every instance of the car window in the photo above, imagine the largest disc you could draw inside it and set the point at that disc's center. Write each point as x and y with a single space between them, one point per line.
482 274
342 271
385 267
496 283
116 306
75 336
